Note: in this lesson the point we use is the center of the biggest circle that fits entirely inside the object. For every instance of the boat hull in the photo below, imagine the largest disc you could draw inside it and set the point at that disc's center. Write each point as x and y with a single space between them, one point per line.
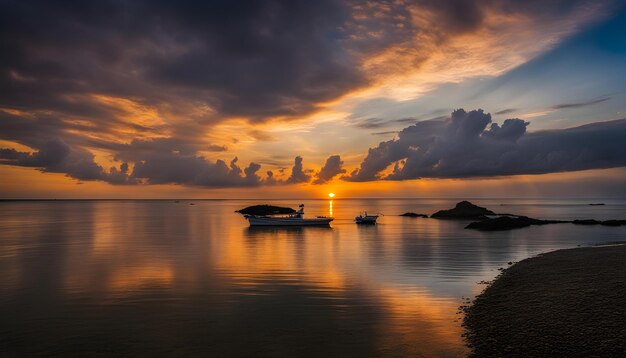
365 222
365 219
269 221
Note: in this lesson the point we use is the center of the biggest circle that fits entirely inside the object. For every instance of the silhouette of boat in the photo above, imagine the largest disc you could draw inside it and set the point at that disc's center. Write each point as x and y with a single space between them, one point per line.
296 219
363 218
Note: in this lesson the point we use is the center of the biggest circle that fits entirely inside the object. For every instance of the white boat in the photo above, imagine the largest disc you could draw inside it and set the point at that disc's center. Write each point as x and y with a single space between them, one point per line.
363 218
296 219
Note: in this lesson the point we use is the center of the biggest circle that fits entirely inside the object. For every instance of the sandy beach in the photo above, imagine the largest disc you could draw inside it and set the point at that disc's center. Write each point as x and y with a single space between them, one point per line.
563 303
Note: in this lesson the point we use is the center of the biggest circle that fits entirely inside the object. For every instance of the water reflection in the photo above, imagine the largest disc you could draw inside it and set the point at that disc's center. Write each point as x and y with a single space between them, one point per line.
164 278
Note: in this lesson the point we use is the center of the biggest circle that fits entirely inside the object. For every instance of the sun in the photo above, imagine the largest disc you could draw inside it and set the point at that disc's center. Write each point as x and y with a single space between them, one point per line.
331 195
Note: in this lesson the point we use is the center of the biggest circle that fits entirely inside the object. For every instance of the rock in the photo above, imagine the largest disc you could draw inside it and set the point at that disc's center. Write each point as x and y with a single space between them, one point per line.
463 210
414 215
586 222
613 222
265 210
508 223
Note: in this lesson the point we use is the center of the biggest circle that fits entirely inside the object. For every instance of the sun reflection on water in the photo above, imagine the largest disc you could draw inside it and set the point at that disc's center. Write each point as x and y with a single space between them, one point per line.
330 208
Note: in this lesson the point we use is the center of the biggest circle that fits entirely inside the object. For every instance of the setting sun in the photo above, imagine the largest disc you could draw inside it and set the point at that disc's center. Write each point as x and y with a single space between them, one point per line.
331 195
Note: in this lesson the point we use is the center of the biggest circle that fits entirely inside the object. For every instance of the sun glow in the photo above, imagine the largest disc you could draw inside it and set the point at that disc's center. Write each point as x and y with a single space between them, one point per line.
331 195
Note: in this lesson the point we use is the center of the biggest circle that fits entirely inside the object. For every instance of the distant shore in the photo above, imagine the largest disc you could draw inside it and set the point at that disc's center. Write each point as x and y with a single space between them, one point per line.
568 303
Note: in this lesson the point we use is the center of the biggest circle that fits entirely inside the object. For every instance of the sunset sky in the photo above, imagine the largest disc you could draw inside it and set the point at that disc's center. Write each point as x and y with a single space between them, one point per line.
287 99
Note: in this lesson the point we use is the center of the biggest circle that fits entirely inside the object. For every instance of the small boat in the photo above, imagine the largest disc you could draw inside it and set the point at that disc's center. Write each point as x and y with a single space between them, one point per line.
296 219
363 218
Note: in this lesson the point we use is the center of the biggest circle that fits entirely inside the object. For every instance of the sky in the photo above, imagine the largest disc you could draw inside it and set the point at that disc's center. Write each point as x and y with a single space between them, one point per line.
296 99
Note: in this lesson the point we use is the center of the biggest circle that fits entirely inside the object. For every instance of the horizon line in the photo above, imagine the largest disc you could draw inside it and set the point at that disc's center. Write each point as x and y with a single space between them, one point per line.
335 198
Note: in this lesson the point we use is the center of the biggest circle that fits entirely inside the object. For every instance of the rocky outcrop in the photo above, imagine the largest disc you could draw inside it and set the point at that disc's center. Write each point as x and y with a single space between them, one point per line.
511 222
508 223
598 222
463 210
467 210
414 215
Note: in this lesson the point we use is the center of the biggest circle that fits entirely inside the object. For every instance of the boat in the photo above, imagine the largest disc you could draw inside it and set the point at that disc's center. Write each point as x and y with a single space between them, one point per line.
296 219
363 218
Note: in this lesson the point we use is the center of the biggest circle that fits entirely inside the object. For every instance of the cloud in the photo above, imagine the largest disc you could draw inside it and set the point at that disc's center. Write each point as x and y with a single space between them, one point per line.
162 160
298 174
506 111
56 156
159 161
144 82
384 133
452 41
332 168
216 148
194 170
259 60
468 144
581 104
264 58
262 135
179 167
373 123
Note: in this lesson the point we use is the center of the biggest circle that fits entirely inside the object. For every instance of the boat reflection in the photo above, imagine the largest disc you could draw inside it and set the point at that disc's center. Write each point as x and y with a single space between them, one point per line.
258 231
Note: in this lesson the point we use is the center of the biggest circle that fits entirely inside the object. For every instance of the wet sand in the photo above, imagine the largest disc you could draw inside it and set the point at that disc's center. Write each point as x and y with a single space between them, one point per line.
568 303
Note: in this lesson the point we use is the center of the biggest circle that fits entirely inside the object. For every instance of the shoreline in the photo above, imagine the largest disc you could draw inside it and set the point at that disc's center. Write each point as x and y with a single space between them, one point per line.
568 302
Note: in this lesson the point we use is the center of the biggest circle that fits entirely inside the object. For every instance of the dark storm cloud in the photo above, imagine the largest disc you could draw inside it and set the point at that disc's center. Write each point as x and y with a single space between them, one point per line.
256 59
265 58
468 144
332 168
581 104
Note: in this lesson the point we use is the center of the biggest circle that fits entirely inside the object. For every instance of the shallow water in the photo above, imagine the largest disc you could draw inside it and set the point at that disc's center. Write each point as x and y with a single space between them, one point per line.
163 278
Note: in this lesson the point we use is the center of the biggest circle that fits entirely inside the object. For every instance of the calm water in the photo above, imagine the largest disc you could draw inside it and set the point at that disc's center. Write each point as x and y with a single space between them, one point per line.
163 278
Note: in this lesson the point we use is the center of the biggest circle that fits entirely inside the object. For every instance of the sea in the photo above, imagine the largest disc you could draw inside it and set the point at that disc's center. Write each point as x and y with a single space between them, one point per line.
190 278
